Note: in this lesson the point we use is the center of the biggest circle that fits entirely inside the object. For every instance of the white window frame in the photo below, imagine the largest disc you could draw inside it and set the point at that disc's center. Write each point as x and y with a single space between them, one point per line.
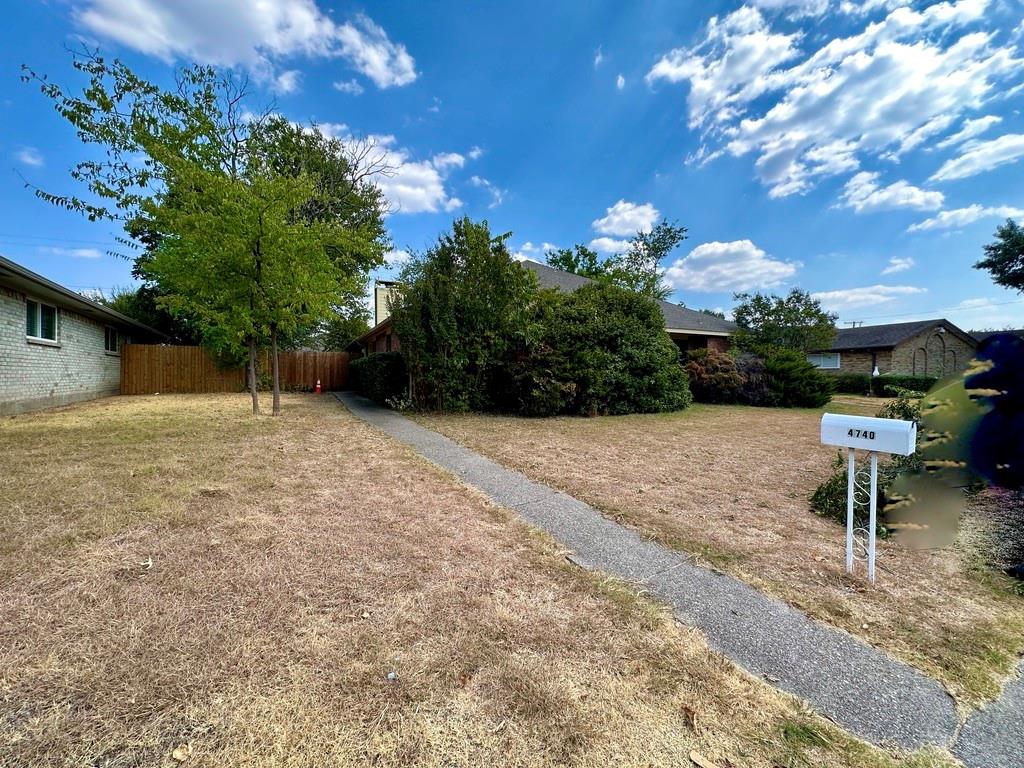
820 362
117 340
39 323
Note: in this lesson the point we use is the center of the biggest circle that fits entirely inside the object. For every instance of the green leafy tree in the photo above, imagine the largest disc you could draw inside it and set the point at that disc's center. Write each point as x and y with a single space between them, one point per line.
795 321
459 309
580 260
638 268
1004 257
142 303
282 222
345 324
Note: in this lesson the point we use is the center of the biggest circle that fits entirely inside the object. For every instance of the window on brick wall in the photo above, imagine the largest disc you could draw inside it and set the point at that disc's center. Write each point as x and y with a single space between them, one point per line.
40 321
828 360
110 339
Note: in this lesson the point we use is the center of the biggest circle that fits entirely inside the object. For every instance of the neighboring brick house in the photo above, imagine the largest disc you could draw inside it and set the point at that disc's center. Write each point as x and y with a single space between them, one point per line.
922 348
688 328
56 346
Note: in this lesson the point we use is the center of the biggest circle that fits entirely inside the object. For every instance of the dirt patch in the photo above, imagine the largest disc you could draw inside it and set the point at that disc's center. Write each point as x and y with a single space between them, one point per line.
185 585
730 485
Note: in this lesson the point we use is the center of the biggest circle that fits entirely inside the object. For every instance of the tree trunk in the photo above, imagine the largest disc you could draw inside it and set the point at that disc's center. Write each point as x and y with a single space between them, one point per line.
276 369
253 384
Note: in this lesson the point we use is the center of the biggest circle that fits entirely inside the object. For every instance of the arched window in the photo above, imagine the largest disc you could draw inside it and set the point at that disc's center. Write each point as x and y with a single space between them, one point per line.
919 366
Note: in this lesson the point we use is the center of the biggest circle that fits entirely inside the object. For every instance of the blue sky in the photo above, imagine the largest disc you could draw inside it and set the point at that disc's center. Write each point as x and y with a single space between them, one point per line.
863 150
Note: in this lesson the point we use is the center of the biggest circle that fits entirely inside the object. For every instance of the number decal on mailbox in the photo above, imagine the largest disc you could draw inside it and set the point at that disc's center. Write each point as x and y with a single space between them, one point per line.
864 433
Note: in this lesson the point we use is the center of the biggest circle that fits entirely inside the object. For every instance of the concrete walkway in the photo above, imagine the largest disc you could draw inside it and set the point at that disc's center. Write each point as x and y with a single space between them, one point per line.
861 688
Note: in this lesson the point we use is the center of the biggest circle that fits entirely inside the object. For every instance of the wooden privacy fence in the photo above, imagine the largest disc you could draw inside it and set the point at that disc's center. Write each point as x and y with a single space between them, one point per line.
149 368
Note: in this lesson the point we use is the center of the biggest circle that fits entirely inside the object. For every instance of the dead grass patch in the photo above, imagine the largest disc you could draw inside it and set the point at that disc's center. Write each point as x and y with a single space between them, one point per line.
187 585
730 485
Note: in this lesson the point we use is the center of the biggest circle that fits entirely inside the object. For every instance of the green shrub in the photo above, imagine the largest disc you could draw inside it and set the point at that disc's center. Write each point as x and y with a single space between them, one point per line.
463 309
754 388
853 383
608 348
888 384
380 377
794 382
713 376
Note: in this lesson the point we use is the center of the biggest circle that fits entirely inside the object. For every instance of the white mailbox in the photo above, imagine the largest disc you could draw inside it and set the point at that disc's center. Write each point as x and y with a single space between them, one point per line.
869 434
874 436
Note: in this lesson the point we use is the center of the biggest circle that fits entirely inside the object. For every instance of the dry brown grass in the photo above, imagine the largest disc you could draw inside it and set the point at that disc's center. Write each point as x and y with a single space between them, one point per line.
178 576
730 485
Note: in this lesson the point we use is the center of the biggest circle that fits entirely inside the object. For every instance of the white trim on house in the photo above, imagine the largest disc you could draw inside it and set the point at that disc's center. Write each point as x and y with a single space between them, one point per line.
38 338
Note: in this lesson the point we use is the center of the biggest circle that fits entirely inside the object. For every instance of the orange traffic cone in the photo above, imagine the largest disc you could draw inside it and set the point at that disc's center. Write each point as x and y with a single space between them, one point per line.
317 390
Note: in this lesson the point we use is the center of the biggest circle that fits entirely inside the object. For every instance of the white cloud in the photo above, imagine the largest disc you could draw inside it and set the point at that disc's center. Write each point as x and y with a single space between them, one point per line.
851 298
497 194
969 130
868 6
529 250
626 219
984 313
728 67
620 82
74 253
397 258
598 57
794 8
29 156
253 35
725 267
863 194
411 186
982 156
287 81
609 245
475 153
447 160
348 86
961 217
368 49
898 264
892 86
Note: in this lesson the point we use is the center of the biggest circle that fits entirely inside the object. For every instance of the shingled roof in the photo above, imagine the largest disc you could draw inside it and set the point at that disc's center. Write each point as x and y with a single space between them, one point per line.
886 336
980 336
677 318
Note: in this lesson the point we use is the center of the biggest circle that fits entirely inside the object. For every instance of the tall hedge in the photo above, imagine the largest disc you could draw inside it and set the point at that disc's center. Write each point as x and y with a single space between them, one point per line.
612 350
461 309
380 377
478 334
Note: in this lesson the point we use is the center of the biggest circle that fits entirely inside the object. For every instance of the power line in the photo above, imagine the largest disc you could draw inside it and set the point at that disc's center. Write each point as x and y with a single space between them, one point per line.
957 308
11 238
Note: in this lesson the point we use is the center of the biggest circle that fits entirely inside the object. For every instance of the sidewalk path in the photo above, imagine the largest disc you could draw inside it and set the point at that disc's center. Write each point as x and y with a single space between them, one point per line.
882 700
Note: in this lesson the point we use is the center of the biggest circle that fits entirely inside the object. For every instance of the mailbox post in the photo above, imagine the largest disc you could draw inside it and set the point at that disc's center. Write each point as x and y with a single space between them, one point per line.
874 436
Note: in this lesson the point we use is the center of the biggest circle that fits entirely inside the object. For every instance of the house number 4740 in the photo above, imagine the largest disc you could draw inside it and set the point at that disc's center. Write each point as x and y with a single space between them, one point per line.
866 434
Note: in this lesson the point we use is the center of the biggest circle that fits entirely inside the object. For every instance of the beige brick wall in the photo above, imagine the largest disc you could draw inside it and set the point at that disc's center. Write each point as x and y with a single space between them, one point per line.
933 354
861 362
39 376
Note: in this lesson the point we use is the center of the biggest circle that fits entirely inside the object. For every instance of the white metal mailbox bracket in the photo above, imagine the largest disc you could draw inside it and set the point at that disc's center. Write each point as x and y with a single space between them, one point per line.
876 436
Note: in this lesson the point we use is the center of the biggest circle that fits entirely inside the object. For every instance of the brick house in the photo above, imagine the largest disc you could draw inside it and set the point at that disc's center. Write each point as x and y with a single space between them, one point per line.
688 328
921 348
56 346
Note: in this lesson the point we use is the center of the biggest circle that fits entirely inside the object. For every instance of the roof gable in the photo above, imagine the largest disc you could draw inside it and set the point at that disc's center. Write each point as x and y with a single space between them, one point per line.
889 335
677 318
